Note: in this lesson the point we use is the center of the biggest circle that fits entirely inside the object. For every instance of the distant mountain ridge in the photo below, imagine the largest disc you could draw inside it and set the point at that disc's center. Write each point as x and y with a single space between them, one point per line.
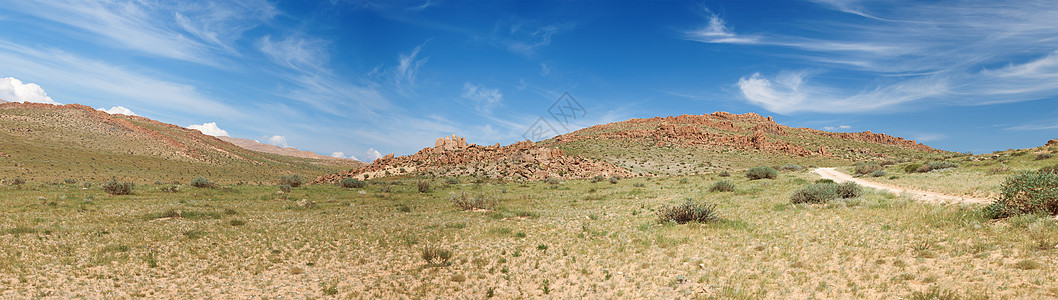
266 148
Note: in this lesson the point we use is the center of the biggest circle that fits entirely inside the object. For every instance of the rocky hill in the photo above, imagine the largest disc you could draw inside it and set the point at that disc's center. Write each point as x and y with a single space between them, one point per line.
690 144
452 156
53 143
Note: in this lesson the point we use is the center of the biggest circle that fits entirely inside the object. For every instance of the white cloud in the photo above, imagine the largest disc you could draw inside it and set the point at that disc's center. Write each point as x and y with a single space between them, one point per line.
299 53
14 90
99 80
186 31
484 98
277 140
917 53
210 128
342 155
121 110
373 154
408 68
834 128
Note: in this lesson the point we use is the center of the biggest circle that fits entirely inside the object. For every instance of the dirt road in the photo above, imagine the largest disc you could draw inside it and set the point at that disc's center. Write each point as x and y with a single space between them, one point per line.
837 176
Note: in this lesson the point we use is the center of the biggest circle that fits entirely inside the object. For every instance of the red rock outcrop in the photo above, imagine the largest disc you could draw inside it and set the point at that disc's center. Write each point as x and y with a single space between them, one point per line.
451 156
1051 142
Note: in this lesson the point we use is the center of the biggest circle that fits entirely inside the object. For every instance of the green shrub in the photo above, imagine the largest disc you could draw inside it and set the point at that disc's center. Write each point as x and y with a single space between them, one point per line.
598 178
292 180
824 180
285 188
761 173
424 186
687 212
613 180
1027 193
1043 156
201 182
826 191
791 167
70 181
722 186
114 187
468 202
879 173
351 183
170 189
724 174
912 168
864 169
552 181
452 181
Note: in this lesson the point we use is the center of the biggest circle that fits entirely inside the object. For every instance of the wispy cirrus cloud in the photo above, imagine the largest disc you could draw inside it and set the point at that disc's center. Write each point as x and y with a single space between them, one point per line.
961 53
189 31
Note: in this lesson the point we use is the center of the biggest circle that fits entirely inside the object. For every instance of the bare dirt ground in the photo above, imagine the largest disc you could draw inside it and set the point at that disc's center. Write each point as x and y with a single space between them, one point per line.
838 176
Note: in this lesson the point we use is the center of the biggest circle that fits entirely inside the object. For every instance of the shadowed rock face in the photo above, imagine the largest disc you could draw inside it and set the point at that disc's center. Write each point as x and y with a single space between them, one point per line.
452 156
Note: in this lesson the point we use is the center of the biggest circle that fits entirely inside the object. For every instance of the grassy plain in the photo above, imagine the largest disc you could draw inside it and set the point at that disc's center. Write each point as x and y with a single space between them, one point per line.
572 239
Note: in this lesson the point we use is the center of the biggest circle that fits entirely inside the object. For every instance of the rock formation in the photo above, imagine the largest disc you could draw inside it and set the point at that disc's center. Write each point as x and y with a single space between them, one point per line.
452 156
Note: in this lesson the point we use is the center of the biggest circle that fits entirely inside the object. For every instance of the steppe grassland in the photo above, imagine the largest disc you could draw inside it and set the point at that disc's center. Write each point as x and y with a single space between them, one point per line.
571 239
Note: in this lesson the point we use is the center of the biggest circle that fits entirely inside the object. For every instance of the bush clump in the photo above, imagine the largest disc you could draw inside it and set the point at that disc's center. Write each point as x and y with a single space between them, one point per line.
201 182
424 186
598 178
351 183
114 187
1043 156
722 186
826 191
292 180
761 173
436 255
16 181
1049 169
879 173
613 180
469 202
865 168
724 174
791 167
687 212
285 188
930 166
1026 193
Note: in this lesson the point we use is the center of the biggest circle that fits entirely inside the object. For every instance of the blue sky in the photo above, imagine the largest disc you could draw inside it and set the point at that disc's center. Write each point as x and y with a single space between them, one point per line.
367 78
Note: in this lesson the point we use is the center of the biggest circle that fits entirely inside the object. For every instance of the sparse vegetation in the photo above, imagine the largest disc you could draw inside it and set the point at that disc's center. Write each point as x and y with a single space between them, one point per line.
722 186
423 186
292 180
352 183
761 173
436 256
114 187
826 191
687 212
201 182
472 202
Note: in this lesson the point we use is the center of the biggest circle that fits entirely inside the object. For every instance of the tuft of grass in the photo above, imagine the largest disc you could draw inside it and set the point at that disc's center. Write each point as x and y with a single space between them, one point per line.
424 186
826 191
722 186
201 182
1028 264
724 174
114 187
352 183
292 180
436 256
761 173
688 212
935 293
468 202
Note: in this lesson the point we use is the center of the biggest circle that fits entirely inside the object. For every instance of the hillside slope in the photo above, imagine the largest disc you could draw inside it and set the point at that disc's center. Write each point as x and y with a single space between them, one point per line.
52 143
692 144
